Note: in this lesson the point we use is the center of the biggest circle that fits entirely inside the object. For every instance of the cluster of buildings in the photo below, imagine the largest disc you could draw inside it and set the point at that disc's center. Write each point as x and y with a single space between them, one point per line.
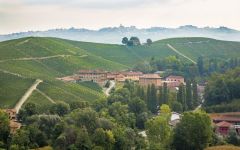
101 76
225 122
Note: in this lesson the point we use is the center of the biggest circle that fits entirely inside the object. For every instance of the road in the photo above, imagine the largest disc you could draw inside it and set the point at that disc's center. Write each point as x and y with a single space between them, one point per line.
27 95
201 95
181 54
111 86
47 97
35 58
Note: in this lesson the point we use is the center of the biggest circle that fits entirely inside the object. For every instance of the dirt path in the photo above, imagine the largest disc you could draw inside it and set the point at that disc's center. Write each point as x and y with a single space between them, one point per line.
27 95
15 74
111 86
181 54
49 98
35 58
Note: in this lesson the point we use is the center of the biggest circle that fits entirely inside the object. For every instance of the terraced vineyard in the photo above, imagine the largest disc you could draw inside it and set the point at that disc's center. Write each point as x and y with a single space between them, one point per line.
27 59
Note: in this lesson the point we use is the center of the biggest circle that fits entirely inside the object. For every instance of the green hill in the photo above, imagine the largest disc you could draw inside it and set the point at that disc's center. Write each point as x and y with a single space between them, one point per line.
27 59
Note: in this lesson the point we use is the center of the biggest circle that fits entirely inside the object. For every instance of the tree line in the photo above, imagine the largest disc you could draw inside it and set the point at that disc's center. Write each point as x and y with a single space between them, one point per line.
134 41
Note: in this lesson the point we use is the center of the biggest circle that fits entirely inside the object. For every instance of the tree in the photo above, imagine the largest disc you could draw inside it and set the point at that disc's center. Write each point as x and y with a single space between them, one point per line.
78 104
165 109
200 65
193 132
4 127
60 108
125 40
165 93
31 109
21 139
103 138
181 97
83 140
149 42
233 138
189 95
152 98
158 132
135 41
194 93
137 106
177 107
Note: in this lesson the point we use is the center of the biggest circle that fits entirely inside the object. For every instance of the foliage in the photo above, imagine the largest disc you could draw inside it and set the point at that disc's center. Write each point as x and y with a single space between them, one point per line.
158 132
193 132
4 128
223 88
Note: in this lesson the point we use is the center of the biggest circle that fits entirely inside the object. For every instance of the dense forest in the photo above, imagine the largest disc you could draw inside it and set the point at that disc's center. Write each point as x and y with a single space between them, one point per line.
222 93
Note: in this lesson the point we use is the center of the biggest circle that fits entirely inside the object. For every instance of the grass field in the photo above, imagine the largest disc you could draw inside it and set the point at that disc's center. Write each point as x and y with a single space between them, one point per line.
49 58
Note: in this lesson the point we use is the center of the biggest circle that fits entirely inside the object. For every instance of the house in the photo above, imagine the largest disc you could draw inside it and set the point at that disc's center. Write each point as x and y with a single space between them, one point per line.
71 79
125 75
175 119
223 127
13 124
98 76
225 121
12 113
149 79
134 76
174 81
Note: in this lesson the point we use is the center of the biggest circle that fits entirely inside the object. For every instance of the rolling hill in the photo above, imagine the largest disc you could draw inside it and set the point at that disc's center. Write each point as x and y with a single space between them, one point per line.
24 60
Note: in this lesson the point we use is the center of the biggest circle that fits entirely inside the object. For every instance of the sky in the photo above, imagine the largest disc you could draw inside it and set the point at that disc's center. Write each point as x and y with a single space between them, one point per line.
34 15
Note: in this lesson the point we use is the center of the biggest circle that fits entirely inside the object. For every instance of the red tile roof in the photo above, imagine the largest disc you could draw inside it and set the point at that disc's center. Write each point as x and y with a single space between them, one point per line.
224 124
151 76
175 77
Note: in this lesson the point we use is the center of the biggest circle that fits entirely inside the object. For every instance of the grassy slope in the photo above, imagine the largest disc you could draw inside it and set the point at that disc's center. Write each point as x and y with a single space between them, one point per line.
195 47
47 69
84 55
12 89
191 47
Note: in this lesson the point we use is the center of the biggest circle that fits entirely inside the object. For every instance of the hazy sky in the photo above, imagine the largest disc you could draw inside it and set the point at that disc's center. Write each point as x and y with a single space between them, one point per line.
24 15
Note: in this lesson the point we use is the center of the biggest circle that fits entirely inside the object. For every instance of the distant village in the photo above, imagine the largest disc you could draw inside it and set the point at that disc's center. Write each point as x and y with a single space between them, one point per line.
101 77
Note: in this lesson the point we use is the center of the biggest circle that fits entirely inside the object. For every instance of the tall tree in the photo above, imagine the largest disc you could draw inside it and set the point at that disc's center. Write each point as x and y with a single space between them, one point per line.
160 96
153 99
165 93
149 42
200 65
148 98
194 132
4 127
195 93
158 132
189 95
125 40
181 97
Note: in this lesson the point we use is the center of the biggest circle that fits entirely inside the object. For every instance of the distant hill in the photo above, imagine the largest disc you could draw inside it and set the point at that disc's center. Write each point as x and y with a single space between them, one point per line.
114 34
24 60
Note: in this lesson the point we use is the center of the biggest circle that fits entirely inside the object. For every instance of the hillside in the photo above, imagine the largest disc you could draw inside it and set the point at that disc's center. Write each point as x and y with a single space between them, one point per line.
22 61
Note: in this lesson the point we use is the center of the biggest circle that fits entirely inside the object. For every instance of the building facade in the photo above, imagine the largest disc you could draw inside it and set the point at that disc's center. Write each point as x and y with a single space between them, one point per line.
149 79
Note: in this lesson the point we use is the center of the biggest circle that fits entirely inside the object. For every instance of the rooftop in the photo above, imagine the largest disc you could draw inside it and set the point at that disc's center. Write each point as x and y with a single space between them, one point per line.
92 71
151 76
175 77
224 124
